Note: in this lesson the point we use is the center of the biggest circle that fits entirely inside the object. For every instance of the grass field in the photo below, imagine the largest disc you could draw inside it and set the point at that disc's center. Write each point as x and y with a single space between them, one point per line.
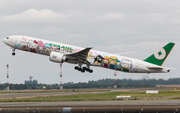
102 96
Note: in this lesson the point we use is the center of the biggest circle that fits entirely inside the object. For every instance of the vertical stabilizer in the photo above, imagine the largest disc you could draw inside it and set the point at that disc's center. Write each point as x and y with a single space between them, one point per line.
160 56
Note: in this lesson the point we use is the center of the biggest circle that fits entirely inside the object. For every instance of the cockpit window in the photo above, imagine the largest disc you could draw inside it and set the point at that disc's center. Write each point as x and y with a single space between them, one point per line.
7 37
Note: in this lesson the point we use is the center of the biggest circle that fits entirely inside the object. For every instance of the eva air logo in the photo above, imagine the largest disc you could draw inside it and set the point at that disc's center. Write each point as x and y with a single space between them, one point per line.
160 54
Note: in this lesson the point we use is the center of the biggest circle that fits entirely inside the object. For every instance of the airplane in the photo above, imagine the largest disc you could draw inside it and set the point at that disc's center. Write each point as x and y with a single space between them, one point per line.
59 53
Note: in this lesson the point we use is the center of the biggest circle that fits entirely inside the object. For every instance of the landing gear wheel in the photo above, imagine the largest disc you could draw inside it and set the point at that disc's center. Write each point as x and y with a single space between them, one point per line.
79 69
82 70
90 70
76 67
87 69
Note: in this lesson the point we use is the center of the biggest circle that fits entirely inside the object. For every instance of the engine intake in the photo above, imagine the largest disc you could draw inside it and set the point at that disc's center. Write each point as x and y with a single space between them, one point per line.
57 57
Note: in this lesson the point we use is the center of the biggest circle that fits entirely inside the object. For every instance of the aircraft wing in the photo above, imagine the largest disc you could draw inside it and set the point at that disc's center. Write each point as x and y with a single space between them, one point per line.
79 57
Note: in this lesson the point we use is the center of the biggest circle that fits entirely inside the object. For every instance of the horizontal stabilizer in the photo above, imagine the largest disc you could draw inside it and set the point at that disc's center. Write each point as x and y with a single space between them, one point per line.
173 68
125 53
157 68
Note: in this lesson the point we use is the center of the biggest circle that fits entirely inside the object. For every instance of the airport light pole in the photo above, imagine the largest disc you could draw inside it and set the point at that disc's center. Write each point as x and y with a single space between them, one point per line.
7 85
115 84
61 86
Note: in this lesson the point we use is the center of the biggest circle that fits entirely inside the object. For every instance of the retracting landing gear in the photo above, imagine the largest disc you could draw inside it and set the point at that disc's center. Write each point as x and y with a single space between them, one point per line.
13 52
79 68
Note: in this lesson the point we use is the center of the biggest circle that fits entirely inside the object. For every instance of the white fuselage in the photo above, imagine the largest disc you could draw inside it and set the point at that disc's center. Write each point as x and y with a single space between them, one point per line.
96 58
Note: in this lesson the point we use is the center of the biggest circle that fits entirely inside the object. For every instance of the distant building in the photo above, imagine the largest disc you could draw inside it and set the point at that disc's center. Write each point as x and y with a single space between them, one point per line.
31 82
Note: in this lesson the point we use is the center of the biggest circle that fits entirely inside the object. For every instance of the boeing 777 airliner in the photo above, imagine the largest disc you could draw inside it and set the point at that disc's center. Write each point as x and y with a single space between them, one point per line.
59 53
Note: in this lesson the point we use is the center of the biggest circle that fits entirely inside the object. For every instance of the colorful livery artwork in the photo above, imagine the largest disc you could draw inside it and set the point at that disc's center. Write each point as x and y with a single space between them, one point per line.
59 52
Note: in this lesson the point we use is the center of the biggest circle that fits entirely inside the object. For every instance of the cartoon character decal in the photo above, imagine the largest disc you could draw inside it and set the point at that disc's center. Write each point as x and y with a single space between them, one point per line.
53 48
32 45
46 45
25 48
98 59
111 64
47 51
105 62
47 48
126 65
133 69
118 66
40 47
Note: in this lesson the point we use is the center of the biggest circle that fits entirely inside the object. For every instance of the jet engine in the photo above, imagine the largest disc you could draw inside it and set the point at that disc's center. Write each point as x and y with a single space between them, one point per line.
57 57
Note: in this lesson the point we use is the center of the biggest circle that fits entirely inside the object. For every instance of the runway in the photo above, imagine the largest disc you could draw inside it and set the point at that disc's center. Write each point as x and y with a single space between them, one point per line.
117 106
130 106
95 103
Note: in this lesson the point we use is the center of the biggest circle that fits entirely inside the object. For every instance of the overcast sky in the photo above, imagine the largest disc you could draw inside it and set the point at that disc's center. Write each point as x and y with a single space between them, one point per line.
113 26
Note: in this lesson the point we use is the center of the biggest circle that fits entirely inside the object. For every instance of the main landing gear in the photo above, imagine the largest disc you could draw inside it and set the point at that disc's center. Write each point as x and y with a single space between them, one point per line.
13 52
83 69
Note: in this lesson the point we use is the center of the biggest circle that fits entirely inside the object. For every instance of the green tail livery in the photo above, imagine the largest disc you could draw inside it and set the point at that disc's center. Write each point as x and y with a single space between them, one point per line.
160 56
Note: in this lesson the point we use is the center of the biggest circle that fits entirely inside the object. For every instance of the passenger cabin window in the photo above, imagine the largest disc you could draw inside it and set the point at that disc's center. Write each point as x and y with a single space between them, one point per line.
7 37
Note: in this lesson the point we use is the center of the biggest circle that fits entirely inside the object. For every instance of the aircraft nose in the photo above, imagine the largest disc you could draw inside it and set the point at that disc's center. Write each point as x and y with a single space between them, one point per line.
4 40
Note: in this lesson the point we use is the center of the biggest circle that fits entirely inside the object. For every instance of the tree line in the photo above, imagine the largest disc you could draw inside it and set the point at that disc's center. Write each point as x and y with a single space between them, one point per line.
102 83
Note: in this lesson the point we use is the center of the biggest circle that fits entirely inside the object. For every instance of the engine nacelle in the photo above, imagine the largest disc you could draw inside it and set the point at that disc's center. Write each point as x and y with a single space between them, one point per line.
57 57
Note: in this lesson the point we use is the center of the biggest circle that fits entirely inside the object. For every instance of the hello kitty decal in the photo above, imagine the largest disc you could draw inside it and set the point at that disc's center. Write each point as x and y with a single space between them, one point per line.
32 45
40 47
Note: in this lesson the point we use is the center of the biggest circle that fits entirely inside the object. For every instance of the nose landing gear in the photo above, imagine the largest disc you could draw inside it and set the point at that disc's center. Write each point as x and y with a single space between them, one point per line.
13 52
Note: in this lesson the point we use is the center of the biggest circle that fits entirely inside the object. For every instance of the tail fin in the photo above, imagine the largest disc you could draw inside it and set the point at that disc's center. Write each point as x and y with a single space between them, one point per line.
160 56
